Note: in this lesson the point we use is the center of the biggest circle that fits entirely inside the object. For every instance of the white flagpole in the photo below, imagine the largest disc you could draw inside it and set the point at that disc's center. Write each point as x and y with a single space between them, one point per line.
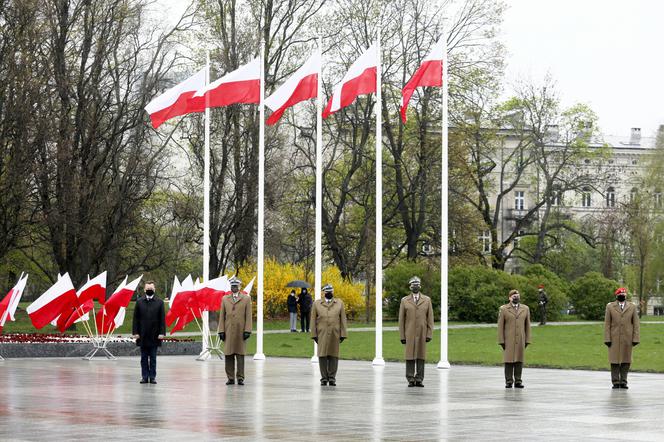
378 360
261 211
318 254
206 210
444 246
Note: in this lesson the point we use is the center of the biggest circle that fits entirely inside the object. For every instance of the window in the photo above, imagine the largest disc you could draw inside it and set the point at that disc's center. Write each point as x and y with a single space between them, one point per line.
658 199
633 194
519 200
485 241
610 197
634 162
586 201
557 199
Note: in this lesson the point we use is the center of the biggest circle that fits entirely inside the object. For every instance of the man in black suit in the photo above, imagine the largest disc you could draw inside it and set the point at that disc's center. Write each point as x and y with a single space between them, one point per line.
149 328
305 302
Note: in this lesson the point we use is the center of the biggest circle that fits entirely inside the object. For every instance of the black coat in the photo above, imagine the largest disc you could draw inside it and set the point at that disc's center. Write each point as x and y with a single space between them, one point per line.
305 302
292 304
149 322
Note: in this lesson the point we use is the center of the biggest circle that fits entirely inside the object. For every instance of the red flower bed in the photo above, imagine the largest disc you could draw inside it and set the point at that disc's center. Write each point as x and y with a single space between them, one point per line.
37 338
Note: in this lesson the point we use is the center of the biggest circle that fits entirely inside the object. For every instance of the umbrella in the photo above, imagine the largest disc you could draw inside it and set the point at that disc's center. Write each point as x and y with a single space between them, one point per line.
299 283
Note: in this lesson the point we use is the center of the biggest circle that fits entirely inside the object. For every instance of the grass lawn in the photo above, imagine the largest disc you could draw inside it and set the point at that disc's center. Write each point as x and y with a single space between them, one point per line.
575 346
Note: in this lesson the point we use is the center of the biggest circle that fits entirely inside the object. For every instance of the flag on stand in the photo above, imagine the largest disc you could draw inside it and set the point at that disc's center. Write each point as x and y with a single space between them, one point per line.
240 86
209 294
10 302
187 306
178 100
430 73
360 79
112 313
302 85
58 298
94 288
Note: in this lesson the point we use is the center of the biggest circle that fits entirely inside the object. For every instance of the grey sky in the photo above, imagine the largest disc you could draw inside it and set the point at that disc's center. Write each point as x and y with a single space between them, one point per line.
606 53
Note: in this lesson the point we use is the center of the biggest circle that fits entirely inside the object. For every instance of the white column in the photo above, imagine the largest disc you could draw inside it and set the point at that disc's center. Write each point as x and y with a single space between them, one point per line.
318 254
444 231
378 359
261 211
206 213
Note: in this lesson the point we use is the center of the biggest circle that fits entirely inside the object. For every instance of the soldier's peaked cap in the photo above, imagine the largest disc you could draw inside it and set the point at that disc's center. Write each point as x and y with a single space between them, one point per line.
327 288
414 280
235 281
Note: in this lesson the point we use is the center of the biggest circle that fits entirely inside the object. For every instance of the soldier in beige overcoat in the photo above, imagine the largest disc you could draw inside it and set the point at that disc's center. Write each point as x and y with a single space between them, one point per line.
415 330
328 329
621 333
514 337
234 329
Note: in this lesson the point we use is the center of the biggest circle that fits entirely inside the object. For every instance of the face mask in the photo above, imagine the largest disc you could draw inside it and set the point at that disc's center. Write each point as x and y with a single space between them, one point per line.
329 295
415 288
149 292
235 289
621 298
515 299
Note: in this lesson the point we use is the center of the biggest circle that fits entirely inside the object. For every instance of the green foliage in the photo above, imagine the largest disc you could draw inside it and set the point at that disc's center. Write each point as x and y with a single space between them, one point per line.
395 284
590 294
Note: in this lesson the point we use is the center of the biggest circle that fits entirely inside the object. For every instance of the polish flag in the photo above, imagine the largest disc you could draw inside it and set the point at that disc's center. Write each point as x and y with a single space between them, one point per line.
209 294
111 315
302 85
179 303
58 298
430 73
187 307
177 100
10 302
360 79
240 86
95 288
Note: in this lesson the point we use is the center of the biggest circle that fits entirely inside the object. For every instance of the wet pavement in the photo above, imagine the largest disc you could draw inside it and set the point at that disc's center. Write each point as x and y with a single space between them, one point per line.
65 399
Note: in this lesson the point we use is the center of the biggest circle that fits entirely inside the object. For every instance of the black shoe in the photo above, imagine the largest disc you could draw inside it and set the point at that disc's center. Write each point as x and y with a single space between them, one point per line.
508 385
240 381
624 386
230 382
333 383
616 386
153 381
518 385
144 381
323 383
411 383
419 384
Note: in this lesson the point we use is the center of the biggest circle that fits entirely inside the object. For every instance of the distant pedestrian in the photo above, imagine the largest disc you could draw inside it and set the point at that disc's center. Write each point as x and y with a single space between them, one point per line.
149 329
292 311
415 330
542 302
305 302
621 334
328 330
514 337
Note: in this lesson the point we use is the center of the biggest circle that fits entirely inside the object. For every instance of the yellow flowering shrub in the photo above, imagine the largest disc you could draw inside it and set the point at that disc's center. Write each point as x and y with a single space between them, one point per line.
275 292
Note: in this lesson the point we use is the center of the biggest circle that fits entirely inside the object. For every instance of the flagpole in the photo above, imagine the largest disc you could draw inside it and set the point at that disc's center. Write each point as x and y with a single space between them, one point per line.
261 211
318 255
378 360
444 231
206 210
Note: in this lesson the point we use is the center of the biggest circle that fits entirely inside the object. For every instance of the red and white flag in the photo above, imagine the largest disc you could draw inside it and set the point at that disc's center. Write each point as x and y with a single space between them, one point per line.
243 85
430 73
10 302
177 100
180 300
58 298
94 288
302 85
112 314
209 293
360 79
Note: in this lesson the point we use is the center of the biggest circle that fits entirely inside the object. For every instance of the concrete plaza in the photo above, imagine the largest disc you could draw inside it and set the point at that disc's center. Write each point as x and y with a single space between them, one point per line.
65 399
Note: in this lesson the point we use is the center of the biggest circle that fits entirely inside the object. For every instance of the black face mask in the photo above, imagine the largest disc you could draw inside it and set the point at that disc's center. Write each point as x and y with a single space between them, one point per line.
149 292
621 298
329 295
235 289
515 300
415 289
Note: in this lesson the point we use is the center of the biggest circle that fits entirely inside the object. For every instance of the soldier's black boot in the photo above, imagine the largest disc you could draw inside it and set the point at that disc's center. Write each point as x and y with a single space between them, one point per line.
230 382
411 383
419 384
518 385
616 386
508 385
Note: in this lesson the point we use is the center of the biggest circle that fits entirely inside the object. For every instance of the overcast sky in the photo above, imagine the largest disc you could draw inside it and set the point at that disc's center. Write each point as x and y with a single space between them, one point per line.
606 53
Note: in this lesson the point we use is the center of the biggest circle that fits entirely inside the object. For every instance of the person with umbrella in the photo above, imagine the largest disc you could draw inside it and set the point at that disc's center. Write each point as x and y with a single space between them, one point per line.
292 310
304 301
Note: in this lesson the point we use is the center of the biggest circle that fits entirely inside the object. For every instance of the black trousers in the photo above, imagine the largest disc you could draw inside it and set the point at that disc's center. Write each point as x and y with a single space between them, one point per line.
619 373
328 368
149 362
513 372
233 361
543 314
305 317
